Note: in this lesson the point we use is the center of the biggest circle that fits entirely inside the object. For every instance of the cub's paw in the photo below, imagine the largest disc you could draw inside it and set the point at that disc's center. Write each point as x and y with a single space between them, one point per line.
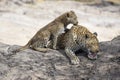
54 47
46 50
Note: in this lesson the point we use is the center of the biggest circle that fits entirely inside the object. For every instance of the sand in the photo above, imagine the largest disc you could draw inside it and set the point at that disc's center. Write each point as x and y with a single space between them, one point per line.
19 22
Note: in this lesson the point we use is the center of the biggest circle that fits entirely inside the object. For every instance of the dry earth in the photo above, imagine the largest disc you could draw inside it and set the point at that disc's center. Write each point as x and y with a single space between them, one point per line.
54 65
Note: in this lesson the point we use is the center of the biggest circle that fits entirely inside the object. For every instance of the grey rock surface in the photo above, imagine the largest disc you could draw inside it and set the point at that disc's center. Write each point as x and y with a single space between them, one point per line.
54 65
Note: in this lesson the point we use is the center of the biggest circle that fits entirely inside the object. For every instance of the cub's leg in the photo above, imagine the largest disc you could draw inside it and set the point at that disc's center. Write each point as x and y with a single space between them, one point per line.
55 36
55 42
41 46
73 58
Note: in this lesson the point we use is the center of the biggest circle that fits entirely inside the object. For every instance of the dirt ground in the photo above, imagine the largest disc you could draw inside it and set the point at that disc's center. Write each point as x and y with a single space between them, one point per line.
19 21
54 65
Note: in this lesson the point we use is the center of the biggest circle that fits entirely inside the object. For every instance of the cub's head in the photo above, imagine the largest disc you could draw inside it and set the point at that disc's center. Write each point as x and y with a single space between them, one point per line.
71 18
89 42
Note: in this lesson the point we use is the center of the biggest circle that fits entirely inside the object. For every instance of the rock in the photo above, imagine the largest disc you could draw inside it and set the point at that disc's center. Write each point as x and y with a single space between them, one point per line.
54 65
112 46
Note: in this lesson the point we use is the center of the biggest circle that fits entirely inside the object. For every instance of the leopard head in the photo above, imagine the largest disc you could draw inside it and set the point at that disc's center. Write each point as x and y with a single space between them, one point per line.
88 41
92 45
71 18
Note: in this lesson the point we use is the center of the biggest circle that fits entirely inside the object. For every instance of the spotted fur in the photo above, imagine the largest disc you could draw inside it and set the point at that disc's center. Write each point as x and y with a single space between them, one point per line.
79 37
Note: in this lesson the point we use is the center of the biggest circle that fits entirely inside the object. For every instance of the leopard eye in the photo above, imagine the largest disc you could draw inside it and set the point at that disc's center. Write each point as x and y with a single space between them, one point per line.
68 14
86 36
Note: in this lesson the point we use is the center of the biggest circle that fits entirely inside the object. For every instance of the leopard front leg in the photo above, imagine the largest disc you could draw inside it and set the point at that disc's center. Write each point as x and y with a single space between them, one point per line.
55 42
73 58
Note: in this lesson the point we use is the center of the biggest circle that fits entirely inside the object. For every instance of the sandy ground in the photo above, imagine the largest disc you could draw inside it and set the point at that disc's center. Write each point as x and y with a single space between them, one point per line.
18 23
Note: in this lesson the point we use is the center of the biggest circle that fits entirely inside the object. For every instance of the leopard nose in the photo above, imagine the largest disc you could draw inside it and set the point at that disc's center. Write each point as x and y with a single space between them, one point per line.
97 51
76 23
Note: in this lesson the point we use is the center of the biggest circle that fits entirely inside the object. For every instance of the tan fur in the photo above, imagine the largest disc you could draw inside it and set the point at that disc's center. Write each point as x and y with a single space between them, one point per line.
78 37
50 32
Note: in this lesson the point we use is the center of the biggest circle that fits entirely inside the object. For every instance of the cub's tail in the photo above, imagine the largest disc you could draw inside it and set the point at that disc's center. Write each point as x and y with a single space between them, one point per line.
22 48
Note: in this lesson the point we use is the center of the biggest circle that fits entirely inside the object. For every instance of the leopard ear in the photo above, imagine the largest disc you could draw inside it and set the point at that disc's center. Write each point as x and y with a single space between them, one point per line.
95 33
72 11
68 14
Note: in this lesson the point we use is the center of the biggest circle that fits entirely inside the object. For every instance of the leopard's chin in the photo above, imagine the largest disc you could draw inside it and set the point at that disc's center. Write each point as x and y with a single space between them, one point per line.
92 56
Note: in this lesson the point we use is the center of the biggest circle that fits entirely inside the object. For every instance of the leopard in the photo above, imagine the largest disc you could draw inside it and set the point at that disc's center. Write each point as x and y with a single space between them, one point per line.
78 38
50 32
